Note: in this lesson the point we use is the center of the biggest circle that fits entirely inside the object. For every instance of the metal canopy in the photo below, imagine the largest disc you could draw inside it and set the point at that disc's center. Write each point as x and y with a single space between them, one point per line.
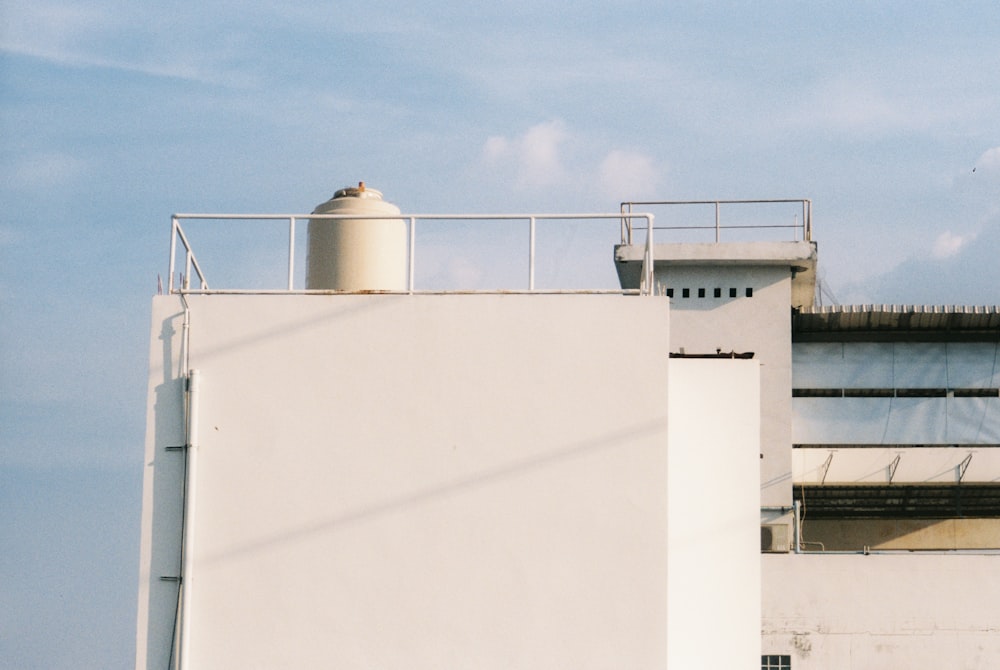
874 323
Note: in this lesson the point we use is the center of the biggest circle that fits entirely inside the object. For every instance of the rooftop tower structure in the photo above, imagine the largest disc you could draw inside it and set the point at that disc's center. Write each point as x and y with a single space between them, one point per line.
733 297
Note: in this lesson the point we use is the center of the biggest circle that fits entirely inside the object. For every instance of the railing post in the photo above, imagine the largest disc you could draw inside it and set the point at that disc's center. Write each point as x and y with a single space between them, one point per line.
717 237
531 253
173 252
410 251
621 209
809 220
626 222
291 253
650 276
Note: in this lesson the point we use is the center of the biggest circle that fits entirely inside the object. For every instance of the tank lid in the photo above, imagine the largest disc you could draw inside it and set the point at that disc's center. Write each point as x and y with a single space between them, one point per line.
359 191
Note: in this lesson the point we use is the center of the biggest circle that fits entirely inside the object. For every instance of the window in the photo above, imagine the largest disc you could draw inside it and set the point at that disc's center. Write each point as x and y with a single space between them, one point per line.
775 662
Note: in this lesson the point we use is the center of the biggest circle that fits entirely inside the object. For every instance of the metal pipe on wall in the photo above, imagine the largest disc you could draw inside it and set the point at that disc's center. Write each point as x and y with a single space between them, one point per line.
190 454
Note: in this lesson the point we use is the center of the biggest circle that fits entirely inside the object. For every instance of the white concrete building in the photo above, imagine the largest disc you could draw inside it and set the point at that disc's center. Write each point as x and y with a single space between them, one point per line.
395 477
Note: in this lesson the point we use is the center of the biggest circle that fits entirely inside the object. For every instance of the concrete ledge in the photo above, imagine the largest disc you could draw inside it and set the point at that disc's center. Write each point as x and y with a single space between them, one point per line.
798 257
724 253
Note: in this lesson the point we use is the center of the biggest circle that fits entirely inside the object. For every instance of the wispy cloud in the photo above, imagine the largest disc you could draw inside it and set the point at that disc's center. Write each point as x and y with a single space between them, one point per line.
184 71
45 170
854 105
948 244
535 156
983 183
566 163
989 161
880 92
102 36
628 174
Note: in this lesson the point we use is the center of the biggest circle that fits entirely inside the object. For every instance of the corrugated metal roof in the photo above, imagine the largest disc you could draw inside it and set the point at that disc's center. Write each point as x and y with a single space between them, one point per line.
896 501
906 322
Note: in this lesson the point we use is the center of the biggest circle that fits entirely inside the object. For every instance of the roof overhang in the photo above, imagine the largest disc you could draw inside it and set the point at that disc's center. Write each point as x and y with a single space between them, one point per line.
884 323
798 257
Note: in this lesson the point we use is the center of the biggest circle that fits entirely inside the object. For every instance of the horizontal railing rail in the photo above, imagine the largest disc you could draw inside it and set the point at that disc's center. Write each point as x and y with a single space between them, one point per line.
192 269
805 227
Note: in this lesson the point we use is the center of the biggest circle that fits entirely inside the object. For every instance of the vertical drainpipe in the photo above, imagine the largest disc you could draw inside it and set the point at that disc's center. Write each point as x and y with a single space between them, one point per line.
797 527
191 454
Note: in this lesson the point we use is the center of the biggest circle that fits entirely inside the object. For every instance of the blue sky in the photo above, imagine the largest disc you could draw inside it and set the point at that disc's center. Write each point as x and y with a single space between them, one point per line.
117 114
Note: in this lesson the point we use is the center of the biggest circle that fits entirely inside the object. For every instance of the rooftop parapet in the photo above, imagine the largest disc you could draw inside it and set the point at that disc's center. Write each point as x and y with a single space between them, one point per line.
743 239
187 274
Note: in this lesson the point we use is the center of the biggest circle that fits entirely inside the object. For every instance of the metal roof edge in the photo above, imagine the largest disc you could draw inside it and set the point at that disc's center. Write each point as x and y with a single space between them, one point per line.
873 308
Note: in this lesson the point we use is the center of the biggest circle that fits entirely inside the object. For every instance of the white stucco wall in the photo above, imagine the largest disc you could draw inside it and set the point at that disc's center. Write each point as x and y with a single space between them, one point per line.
761 324
908 611
450 481
430 481
714 546
163 483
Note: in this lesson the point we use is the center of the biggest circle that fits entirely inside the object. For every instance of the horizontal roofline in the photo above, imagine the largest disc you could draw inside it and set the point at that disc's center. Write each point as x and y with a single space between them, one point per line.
913 323
902 309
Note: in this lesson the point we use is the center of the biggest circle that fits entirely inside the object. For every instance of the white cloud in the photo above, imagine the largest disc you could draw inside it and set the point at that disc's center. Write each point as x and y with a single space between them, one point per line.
948 244
559 163
57 25
496 148
860 101
628 174
962 270
981 185
535 156
989 161
120 38
461 272
539 153
850 105
176 69
46 170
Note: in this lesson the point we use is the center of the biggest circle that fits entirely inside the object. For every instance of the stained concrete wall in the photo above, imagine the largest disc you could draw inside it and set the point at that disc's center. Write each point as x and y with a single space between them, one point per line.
912 534
883 611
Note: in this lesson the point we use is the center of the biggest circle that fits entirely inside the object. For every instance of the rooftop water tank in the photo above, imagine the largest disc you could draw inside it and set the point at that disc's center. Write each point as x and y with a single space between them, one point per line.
357 254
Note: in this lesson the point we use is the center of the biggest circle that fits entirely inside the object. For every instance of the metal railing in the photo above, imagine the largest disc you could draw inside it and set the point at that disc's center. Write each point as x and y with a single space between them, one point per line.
805 226
193 270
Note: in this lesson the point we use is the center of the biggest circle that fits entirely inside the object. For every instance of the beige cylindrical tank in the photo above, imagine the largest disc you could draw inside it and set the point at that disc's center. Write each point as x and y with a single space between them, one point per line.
357 254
